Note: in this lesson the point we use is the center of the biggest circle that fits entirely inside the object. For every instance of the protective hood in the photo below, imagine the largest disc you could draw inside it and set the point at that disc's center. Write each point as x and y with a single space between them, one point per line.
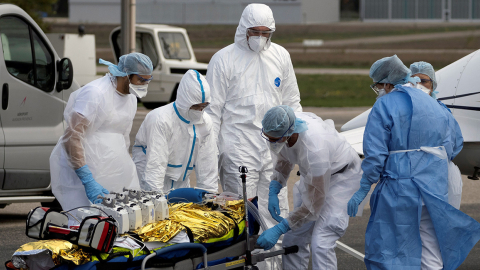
254 15
193 89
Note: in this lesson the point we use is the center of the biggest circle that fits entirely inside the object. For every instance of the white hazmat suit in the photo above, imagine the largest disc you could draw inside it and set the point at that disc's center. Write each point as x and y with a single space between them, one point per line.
330 174
99 120
245 85
168 146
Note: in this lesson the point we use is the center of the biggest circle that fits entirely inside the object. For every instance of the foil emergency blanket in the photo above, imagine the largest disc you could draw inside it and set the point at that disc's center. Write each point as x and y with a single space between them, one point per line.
200 219
60 250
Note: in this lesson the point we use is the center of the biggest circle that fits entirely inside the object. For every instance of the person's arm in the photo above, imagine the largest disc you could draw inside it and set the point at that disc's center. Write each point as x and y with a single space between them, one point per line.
217 80
80 118
126 135
317 183
458 138
157 150
290 92
282 170
376 138
206 167
73 140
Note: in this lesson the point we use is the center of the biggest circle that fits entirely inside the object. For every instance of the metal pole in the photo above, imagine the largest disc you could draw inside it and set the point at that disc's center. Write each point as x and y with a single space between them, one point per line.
128 26
132 22
124 26
243 170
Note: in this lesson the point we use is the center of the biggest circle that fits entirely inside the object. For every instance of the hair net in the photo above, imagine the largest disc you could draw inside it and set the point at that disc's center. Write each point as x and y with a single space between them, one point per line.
424 68
391 70
278 119
132 63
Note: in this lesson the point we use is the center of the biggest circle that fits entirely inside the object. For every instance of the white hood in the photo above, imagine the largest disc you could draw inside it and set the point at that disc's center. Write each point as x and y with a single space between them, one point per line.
193 89
254 15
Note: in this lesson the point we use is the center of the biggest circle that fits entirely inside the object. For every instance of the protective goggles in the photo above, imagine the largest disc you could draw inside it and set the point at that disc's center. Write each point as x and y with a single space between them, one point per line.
253 33
199 107
269 140
143 80
374 87
425 80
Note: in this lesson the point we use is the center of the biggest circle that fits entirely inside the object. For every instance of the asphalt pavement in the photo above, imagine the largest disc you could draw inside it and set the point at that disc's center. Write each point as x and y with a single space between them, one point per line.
13 217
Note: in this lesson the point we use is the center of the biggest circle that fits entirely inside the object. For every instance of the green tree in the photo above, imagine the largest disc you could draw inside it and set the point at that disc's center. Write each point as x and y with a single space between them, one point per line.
34 8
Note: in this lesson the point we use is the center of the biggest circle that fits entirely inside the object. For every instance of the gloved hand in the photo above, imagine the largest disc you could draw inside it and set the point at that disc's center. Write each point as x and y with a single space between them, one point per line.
273 203
92 188
269 238
358 197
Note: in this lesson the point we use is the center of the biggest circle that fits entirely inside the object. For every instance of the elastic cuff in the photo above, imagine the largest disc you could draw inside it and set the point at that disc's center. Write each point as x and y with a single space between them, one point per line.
274 188
284 226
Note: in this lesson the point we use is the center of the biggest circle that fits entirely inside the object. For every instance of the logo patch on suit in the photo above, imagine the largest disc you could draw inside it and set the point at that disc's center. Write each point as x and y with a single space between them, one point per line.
277 81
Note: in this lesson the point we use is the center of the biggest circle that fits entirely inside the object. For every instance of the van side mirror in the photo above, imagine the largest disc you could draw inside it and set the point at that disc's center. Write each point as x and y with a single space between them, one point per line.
65 74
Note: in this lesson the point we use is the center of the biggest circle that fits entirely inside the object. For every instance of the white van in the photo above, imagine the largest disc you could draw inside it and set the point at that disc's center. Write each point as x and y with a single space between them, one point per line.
35 85
172 56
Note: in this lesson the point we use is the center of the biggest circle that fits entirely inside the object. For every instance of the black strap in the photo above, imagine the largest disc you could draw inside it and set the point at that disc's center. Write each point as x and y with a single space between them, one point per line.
341 170
189 234
236 229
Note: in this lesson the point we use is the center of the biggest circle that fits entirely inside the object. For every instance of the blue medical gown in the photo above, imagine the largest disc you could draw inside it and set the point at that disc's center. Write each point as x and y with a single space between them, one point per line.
402 120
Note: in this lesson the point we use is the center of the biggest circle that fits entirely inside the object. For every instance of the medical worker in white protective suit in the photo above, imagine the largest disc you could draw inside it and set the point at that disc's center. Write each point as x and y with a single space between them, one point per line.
428 84
176 138
248 78
91 158
329 175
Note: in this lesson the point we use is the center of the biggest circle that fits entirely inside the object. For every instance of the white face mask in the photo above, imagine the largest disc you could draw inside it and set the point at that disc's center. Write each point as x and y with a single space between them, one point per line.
139 91
423 88
277 147
195 117
381 93
257 43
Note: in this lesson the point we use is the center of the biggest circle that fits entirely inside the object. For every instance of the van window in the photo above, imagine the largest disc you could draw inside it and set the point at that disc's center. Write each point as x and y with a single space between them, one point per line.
44 64
143 44
174 45
36 66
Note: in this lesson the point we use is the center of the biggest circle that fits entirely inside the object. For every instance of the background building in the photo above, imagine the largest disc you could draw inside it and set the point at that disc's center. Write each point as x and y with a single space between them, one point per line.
420 10
204 11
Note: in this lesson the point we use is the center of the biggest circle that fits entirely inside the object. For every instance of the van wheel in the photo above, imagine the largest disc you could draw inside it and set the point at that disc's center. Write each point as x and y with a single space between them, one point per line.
55 205
153 105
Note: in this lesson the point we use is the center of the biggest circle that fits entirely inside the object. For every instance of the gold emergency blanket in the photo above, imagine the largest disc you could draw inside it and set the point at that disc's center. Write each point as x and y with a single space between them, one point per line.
204 222
61 250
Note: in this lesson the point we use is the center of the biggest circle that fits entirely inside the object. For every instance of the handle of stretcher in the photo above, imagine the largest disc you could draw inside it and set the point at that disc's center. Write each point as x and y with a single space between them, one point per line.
177 247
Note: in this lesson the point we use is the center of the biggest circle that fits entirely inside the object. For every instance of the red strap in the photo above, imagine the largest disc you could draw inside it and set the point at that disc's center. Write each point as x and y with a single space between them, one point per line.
103 236
58 230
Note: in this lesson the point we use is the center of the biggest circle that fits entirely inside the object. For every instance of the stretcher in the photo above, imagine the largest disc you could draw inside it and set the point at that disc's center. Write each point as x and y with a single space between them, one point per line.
233 254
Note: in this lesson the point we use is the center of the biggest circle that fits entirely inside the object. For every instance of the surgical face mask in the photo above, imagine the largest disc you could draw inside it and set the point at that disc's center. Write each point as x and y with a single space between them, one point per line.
277 147
381 93
257 43
195 117
139 91
423 88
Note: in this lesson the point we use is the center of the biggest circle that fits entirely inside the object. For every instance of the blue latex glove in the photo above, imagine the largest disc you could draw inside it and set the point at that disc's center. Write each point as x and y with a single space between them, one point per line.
358 197
269 238
92 188
273 203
